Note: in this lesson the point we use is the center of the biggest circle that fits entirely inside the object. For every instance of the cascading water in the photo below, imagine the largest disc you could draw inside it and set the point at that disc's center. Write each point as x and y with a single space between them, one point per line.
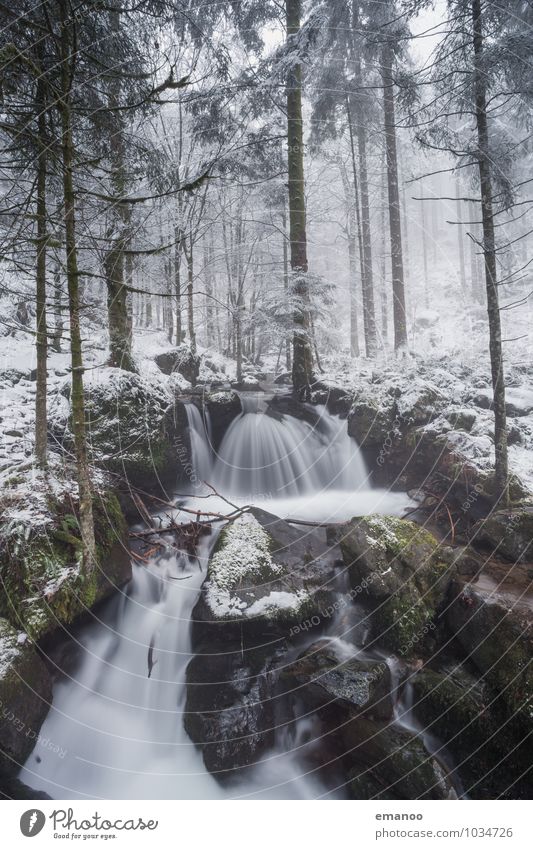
119 717
201 454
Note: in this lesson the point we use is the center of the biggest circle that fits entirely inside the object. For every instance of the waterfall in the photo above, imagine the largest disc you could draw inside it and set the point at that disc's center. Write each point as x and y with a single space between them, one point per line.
118 718
201 453
270 458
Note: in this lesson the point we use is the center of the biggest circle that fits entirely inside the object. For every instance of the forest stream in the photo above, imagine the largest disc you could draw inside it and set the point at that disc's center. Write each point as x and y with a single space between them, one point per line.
120 713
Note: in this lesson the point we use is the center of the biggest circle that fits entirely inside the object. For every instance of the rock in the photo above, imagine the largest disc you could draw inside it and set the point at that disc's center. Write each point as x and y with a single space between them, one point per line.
14 375
399 570
13 788
459 709
182 360
507 533
25 696
337 400
462 419
284 379
223 408
491 616
420 403
518 400
392 763
264 576
372 421
132 428
321 676
45 586
229 709
287 405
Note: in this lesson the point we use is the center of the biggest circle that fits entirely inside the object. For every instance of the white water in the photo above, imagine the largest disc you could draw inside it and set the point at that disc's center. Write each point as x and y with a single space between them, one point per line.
121 731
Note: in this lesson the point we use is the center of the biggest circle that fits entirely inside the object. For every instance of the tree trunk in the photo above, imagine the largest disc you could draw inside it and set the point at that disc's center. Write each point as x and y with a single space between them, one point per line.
58 312
288 341
364 286
489 253
424 253
474 264
354 231
77 395
460 240
383 265
398 289
190 298
120 355
302 362
41 337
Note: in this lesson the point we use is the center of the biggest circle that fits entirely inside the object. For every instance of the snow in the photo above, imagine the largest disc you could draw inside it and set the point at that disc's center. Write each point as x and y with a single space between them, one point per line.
276 601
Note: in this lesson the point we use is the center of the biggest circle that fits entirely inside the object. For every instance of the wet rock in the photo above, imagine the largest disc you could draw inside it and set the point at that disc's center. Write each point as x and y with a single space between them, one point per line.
230 705
460 710
491 618
507 533
287 405
223 408
321 676
265 576
392 763
12 788
398 570
337 400
182 360
25 696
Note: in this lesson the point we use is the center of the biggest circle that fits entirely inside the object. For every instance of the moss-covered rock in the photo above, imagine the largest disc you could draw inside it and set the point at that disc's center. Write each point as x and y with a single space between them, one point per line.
132 428
25 696
399 569
44 585
373 420
508 533
182 360
460 710
392 763
491 617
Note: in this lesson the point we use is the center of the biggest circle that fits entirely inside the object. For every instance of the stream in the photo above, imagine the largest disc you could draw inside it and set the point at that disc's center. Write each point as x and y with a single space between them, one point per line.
121 732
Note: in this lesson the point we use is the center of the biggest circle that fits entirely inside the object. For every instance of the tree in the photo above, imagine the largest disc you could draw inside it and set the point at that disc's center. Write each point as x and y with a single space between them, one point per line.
489 253
302 361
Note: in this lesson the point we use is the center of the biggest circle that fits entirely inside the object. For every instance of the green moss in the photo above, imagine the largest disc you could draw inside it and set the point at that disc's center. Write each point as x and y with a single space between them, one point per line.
43 582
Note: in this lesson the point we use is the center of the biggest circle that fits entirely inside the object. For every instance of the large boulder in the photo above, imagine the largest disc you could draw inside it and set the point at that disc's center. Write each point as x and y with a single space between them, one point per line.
398 569
44 584
265 576
229 710
373 420
460 710
25 696
182 360
491 618
507 533
393 763
132 428
323 675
